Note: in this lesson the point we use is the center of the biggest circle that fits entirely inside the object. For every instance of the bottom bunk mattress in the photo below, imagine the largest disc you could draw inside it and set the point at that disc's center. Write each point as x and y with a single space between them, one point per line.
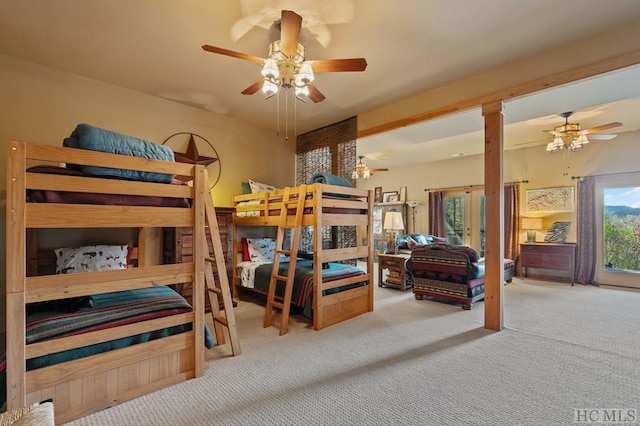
256 275
109 310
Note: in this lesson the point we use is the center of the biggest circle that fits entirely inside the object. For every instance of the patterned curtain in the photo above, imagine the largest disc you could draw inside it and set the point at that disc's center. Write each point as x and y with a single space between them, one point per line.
437 219
511 220
330 149
586 232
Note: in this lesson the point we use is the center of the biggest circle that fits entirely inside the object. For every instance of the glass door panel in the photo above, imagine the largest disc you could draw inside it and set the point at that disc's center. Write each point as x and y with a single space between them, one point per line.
618 225
465 219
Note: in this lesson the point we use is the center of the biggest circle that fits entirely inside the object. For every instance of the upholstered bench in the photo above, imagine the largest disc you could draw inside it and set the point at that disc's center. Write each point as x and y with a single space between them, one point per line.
449 272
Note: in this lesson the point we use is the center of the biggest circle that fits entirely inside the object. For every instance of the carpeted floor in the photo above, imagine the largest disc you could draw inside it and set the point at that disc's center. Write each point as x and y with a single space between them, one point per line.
417 363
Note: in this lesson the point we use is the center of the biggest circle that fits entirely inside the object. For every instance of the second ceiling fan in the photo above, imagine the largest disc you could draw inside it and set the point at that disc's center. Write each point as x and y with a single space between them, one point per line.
286 65
572 137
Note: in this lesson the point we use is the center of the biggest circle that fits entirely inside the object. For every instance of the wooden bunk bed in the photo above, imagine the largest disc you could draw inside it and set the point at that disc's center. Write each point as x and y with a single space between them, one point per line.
335 299
85 385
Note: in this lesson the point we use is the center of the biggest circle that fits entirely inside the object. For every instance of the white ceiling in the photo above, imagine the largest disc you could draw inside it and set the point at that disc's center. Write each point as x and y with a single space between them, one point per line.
154 47
605 99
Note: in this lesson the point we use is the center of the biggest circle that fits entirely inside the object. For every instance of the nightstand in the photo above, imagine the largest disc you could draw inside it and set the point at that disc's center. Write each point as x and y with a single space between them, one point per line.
392 271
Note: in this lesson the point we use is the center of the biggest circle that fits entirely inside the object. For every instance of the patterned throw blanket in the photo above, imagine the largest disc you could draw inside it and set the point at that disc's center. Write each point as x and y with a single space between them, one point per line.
303 282
109 310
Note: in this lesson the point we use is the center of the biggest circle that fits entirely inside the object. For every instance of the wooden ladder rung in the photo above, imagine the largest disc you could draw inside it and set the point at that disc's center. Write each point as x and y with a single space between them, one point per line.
222 320
277 304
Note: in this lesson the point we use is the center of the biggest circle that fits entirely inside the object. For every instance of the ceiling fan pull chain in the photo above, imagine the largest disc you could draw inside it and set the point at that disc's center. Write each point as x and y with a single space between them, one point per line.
286 115
278 113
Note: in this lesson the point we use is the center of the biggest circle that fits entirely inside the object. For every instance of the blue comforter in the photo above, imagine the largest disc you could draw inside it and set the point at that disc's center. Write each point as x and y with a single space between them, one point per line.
86 136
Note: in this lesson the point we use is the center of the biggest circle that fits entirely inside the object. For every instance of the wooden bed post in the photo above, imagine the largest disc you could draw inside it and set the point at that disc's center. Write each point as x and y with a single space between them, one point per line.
16 273
318 312
200 248
370 248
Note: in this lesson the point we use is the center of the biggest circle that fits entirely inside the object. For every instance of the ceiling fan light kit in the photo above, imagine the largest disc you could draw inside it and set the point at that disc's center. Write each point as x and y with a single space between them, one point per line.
361 170
570 136
280 70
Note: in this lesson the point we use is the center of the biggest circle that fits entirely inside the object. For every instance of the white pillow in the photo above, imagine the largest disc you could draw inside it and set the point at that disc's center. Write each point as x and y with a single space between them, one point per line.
260 187
261 249
70 260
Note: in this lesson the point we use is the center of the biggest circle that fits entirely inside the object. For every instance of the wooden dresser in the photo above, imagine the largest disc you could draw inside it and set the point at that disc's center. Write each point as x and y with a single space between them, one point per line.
549 256
178 247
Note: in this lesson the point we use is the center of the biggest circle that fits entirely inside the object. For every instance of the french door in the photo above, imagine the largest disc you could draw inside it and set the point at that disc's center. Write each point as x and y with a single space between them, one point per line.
617 199
465 214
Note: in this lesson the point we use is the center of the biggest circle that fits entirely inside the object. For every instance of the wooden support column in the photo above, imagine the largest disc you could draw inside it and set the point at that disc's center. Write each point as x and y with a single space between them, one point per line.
494 216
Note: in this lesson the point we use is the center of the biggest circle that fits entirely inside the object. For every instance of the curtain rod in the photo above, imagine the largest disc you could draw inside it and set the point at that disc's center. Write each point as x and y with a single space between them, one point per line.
470 186
604 174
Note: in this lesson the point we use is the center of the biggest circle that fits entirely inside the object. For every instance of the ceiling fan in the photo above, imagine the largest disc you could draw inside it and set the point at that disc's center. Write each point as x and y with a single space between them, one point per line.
364 172
572 137
286 66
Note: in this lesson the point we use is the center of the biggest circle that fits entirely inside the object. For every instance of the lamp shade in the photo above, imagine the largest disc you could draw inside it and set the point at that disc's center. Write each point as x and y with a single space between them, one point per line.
393 221
532 223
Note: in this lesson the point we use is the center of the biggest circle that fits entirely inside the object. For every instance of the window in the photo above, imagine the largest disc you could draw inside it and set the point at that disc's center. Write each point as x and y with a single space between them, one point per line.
618 224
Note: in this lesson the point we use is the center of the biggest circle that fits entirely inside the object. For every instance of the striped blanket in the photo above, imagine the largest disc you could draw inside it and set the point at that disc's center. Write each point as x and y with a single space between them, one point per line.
303 282
109 310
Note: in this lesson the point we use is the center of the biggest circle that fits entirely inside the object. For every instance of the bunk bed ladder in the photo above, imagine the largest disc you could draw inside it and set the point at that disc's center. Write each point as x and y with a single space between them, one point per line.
221 288
284 302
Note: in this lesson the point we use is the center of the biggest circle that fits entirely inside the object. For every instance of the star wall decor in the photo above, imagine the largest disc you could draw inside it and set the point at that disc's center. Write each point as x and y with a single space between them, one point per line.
192 156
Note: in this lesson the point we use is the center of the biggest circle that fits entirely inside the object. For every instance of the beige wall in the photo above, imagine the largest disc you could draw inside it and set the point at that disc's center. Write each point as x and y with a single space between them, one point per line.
43 105
534 164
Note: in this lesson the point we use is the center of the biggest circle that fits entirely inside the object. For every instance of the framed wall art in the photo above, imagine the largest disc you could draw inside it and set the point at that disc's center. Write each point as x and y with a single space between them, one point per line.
558 200
377 194
390 197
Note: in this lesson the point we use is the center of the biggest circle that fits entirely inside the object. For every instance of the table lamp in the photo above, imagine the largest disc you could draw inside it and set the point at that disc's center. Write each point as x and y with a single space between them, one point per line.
393 222
531 224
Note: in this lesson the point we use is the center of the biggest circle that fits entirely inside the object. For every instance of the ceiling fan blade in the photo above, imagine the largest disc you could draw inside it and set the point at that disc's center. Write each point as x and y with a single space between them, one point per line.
601 137
379 170
290 32
338 65
314 94
600 128
233 54
254 87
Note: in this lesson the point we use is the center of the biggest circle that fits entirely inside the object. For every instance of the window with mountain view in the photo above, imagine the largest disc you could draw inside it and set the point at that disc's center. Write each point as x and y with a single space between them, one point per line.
621 229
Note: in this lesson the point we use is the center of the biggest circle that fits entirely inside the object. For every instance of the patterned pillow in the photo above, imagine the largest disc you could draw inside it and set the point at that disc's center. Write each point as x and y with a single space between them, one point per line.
260 187
557 232
261 249
70 260
420 239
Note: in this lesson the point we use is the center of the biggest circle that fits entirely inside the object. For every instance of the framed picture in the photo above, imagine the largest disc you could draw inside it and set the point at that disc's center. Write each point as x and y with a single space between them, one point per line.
390 197
377 194
558 200
403 194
